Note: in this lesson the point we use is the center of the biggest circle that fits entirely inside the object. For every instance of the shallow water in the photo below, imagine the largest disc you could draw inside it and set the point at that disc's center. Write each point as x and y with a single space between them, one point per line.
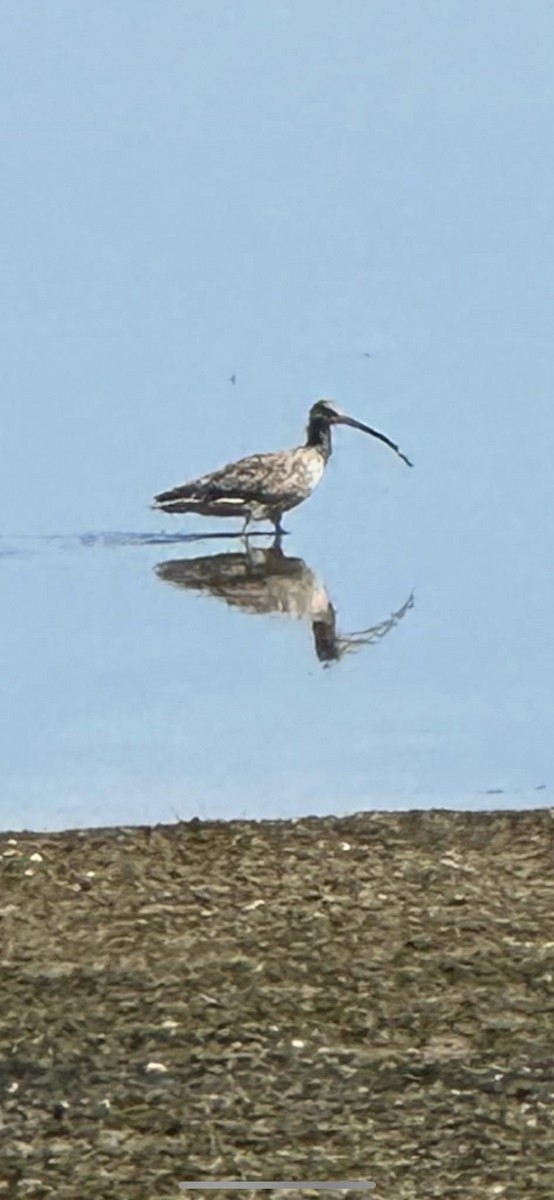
155 677
361 210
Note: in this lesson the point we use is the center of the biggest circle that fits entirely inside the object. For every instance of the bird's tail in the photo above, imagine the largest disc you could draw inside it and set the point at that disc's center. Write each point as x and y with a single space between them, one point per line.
174 506
178 500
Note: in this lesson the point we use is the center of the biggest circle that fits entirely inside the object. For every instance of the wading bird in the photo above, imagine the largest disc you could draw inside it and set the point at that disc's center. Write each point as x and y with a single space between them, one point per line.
264 486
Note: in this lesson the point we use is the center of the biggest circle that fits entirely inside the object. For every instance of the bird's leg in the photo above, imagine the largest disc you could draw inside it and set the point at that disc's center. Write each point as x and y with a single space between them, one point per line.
243 531
279 531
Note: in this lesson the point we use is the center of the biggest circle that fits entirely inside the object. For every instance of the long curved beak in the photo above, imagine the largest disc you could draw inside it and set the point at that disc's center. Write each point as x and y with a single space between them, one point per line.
344 420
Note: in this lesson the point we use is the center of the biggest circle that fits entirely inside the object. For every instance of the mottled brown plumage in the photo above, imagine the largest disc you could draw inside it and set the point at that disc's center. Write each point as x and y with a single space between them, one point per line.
264 486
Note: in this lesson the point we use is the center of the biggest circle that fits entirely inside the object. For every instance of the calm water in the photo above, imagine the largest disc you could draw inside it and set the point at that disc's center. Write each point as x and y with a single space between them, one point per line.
315 204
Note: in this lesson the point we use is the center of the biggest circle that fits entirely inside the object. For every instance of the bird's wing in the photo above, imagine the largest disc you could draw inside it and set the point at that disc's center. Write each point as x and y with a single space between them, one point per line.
252 478
258 477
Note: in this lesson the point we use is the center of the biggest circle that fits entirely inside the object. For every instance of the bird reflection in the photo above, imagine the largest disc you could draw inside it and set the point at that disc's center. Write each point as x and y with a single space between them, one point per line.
269 581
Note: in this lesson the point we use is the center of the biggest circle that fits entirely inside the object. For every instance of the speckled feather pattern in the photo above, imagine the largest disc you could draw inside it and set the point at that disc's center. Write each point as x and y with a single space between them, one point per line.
260 483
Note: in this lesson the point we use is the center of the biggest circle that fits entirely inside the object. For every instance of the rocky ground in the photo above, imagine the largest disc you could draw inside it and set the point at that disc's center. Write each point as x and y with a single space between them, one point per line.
366 998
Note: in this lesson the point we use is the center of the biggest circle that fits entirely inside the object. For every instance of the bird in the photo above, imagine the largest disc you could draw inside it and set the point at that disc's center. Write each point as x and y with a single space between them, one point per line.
262 487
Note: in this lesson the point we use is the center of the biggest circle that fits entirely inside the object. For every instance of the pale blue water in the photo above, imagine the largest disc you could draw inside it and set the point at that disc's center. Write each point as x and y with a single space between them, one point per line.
275 192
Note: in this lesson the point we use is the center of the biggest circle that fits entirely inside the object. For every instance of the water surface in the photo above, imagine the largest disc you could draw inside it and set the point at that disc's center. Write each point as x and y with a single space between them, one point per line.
211 222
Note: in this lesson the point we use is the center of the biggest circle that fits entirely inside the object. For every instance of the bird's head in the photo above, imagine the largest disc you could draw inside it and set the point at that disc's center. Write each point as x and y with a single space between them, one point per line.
325 413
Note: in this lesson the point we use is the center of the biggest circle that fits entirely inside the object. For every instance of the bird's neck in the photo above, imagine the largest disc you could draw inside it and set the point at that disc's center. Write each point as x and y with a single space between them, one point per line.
319 436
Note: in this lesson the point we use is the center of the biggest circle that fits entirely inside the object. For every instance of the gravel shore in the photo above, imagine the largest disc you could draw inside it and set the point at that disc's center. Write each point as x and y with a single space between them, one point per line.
360 998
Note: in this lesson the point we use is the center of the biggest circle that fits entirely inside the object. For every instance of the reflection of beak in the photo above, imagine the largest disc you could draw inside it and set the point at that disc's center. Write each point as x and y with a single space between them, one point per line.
344 420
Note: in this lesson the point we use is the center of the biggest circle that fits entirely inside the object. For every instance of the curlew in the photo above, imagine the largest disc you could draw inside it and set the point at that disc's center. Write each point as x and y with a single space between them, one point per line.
262 487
